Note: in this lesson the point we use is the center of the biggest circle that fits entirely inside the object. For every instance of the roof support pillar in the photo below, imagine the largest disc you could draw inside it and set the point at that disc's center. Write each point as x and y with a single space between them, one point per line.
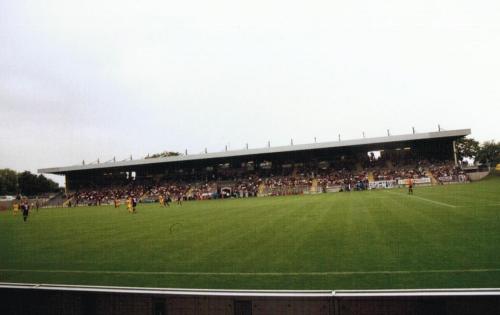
455 152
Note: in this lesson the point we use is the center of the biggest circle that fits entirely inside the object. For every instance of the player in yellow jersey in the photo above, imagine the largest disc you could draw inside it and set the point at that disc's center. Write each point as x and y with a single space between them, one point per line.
162 201
129 204
15 208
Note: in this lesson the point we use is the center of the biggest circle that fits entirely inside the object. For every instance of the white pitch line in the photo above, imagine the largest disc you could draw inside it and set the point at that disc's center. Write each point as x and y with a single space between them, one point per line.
480 205
319 273
425 199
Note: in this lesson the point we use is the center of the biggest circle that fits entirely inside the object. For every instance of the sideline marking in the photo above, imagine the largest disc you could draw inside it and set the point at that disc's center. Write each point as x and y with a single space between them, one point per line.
481 205
319 273
424 199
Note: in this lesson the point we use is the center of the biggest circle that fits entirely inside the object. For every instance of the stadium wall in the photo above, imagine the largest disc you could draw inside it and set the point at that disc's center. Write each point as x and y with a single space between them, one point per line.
83 300
5 205
475 176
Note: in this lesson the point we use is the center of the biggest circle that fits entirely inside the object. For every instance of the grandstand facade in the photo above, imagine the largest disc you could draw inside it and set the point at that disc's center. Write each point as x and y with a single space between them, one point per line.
368 156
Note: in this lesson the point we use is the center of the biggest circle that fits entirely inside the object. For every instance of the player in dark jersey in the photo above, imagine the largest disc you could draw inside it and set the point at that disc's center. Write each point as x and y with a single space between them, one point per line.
167 200
26 209
116 202
134 204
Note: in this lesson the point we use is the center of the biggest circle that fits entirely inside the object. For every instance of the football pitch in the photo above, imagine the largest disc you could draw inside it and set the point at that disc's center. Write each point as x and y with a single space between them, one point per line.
441 237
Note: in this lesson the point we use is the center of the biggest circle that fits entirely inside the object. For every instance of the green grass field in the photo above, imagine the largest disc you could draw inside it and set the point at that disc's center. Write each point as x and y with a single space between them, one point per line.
442 237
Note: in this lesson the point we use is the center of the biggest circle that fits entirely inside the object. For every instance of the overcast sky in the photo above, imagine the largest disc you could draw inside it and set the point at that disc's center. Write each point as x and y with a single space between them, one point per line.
86 79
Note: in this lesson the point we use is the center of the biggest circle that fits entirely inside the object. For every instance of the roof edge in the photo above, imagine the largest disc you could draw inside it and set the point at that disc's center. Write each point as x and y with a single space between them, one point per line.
267 150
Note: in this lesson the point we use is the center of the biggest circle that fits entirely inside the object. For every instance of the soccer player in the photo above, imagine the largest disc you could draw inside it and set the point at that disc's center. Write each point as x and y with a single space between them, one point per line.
410 186
15 208
26 209
37 204
179 199
129 204
134 203
168 200
162 201
117 202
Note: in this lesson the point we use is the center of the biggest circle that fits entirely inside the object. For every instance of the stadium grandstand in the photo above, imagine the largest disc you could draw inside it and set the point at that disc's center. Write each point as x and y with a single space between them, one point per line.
367 163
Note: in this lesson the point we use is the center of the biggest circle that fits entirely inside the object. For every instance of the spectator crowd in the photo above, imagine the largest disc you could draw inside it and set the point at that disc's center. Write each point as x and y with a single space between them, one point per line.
297 181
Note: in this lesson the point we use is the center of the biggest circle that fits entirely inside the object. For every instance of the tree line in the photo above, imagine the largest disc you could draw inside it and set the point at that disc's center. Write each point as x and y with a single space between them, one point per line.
25 183
487 153
162 154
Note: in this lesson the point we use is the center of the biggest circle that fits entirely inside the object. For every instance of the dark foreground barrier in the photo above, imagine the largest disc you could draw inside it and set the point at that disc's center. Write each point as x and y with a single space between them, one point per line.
58 299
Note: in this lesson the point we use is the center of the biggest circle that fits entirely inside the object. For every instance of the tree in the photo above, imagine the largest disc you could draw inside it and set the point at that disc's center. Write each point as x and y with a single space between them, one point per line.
489 153
163 154
466 148
31 184
46 185
27 183
13 183
8 182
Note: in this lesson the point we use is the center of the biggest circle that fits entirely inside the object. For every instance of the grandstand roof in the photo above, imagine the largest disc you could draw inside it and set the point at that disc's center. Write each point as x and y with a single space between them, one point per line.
267 150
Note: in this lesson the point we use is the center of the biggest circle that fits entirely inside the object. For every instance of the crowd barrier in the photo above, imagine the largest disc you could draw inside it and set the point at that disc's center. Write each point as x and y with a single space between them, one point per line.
82 300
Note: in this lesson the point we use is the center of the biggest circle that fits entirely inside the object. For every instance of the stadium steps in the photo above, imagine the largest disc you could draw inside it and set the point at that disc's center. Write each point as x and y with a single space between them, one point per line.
431 176
213 188
262 188
144 196
65 203
371 178
57 200
314 186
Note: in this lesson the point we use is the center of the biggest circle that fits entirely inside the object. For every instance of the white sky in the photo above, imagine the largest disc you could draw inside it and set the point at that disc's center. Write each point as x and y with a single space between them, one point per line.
88 79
